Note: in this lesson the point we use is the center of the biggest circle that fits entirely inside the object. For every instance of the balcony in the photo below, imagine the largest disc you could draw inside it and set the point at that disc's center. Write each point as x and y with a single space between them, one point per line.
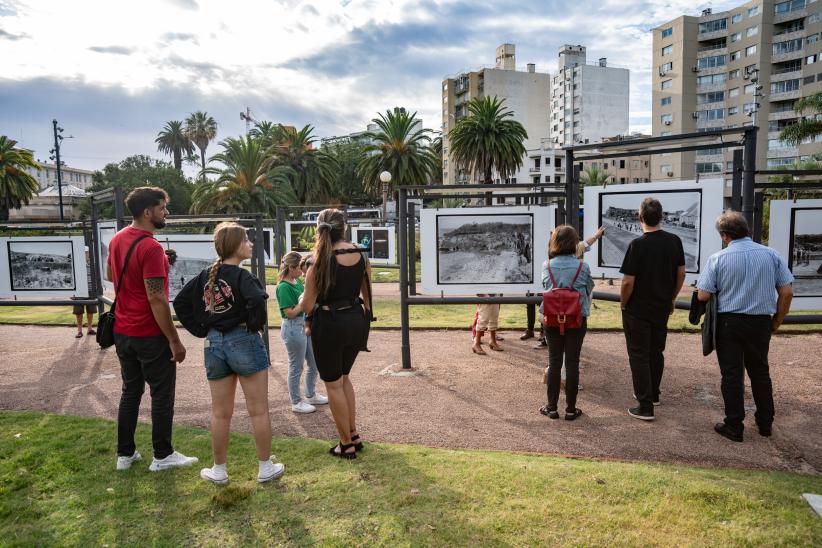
710 123
713 35
789 16
785 152
534 170
782 115
793 35
788 75
785 96
709 52
788 56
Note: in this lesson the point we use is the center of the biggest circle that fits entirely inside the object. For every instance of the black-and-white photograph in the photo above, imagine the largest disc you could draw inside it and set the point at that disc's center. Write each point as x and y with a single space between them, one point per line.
192 258
619 215
806 252
485 249
376 239
41 266
105 236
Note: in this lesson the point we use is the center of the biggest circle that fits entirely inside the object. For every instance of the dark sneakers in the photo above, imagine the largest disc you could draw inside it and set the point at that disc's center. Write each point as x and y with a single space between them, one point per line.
638 413
765 430
724 430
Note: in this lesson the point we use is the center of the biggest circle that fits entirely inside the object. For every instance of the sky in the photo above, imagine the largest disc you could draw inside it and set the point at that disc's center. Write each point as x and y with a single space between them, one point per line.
113 72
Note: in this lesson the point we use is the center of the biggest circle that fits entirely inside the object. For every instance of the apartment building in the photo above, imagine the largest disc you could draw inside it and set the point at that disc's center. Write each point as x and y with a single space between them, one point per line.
80 178
736 68
526 94
588 101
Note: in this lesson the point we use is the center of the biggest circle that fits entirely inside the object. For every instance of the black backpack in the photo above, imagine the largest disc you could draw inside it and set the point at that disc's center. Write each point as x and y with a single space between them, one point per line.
190 308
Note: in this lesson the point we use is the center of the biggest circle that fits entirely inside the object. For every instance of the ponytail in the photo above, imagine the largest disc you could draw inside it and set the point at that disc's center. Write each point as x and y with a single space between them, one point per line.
212 279
330 228
292 258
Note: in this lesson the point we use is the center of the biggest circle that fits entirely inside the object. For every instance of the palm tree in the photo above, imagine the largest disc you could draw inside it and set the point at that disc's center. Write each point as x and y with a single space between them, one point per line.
436 148
400 147
16 185
312 170
267 133
593 176
809 126
174 141
201 129
244 184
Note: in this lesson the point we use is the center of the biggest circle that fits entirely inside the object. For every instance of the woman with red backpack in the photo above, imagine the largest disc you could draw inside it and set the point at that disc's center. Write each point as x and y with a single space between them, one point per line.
566 306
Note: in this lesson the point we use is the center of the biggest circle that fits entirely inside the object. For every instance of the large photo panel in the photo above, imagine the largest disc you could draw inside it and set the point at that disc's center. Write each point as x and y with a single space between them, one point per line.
43 266
796 233
467 251
381 240
689 211
194 253
299 236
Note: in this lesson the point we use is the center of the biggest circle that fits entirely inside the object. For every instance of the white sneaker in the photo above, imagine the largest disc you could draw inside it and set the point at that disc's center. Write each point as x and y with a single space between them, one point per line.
172 461
270 471
209 474
124 463
303 407
317 399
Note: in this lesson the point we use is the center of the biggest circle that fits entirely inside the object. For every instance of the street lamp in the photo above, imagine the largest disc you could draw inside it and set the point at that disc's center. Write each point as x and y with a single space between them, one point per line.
385 177
58 140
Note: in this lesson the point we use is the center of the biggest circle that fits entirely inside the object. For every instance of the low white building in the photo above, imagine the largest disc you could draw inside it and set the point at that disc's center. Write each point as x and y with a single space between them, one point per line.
45 206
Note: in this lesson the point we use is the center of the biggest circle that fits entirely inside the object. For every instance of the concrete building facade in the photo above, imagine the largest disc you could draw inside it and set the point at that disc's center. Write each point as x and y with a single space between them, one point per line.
80 178
589 102
526 94
740 67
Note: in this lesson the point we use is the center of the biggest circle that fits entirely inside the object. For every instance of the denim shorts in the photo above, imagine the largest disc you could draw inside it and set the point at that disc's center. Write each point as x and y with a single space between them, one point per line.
234 352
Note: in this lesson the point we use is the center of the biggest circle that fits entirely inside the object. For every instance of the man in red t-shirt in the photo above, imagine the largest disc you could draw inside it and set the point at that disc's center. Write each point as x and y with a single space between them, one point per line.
146 339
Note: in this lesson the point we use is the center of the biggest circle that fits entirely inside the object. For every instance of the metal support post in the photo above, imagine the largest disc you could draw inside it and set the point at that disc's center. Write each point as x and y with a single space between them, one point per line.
759 206
258 267
574 220
412 249
96 267
736 181
119 214
406 342
570 187
749 163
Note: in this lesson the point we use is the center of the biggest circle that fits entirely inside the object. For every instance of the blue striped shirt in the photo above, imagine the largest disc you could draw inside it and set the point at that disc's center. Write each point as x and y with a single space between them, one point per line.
744 276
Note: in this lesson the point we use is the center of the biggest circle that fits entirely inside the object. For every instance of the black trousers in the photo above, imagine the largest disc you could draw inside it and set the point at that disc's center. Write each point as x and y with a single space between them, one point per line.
742 343
531 311
568 346
145 360
645 339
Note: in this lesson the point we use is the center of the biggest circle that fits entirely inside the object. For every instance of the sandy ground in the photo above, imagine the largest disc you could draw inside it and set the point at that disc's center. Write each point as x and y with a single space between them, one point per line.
466 401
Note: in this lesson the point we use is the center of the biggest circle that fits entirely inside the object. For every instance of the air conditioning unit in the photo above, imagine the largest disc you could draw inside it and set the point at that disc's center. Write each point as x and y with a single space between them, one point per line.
695 69
746 76
670 174
695 115
667 122
662 73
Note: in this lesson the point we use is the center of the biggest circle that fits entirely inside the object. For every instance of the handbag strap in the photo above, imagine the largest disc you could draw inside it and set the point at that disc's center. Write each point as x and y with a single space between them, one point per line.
125 265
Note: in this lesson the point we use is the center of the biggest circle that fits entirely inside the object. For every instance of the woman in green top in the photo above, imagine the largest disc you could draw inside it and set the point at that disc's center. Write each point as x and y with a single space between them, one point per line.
298 346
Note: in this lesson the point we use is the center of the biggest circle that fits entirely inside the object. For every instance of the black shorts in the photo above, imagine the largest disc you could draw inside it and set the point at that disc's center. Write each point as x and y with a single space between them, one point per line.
337 337
90 309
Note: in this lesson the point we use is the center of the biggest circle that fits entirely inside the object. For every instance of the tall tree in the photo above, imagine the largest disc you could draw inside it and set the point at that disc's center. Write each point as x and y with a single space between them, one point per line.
244 183
809 126
401 147
312 177
436 148
16 185
348 184
201 129
487 140
174 141
267 133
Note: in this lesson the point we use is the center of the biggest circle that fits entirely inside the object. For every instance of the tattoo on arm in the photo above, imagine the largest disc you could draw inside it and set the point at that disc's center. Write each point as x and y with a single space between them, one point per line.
154 286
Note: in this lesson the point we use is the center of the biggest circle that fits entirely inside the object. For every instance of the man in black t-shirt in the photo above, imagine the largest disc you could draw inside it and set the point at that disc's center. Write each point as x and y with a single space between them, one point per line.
654 271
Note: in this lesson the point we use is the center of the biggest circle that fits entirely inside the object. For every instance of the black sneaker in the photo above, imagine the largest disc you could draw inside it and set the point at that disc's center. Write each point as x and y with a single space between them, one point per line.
548 412
765 430
724 430
638 413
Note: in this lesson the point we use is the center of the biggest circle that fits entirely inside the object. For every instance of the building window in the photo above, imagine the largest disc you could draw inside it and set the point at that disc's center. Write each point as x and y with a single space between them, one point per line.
810 59
753 11
713 26
711 62
709 167
665 133
808 80
712 97
666 118
787 85
665 101
787 46
750 89
750 50
710 114
736 37
734 92
814 18
710 79
812 38
622 164
736 55
733 75
667 32
665 68
775 144
779 162
733 110
750 31
790 5
737 17
748 107
665 168
667 84
667 50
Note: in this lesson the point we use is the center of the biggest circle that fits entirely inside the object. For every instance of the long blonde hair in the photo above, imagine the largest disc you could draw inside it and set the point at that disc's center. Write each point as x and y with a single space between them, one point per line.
292 258
228 237
330 230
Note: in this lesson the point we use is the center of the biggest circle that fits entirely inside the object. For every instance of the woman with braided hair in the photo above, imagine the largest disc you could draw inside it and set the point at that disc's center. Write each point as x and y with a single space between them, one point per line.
235 304
338 284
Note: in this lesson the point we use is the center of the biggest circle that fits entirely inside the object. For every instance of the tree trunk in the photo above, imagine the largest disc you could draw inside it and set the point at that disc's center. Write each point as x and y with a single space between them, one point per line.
178 159
4 213
488 181
202 162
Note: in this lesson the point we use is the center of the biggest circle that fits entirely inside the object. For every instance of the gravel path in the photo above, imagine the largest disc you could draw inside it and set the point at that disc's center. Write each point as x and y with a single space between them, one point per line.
461 400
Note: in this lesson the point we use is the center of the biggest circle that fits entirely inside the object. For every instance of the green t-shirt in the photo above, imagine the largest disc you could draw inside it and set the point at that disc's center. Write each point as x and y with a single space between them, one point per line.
288 294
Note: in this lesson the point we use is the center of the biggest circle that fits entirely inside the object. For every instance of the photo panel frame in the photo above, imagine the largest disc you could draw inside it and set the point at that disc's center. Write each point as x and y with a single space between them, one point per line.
469 251
299 236
194 253
43 266
795 231
381 239
690 208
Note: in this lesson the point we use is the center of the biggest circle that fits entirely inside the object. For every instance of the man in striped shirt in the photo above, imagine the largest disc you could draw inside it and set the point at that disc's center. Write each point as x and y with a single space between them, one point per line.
753 286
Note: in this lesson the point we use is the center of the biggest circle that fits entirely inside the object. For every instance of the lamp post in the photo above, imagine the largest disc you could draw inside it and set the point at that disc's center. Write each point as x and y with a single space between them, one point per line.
58 140
385 177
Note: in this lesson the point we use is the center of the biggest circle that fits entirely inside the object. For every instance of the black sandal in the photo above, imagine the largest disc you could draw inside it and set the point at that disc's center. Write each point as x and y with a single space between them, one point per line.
550 413
343 448
569 416
357 444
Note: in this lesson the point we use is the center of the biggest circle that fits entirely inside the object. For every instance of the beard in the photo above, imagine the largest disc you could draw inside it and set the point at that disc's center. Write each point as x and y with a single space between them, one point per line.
159 224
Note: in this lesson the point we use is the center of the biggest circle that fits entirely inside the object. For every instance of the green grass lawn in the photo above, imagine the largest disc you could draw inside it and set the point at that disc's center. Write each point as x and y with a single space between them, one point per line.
606 315
58 486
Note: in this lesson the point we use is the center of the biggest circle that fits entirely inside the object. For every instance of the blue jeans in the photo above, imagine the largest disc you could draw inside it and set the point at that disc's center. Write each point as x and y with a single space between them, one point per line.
299 351
234 352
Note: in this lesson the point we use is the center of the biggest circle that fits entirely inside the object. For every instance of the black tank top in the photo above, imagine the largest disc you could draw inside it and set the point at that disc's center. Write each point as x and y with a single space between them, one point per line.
347 279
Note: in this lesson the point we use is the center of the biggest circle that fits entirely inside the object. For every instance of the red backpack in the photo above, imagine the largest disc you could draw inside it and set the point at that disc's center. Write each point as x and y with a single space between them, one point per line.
560 305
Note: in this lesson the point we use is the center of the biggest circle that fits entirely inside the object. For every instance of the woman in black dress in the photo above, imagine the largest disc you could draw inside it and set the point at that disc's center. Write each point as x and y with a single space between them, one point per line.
338 284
